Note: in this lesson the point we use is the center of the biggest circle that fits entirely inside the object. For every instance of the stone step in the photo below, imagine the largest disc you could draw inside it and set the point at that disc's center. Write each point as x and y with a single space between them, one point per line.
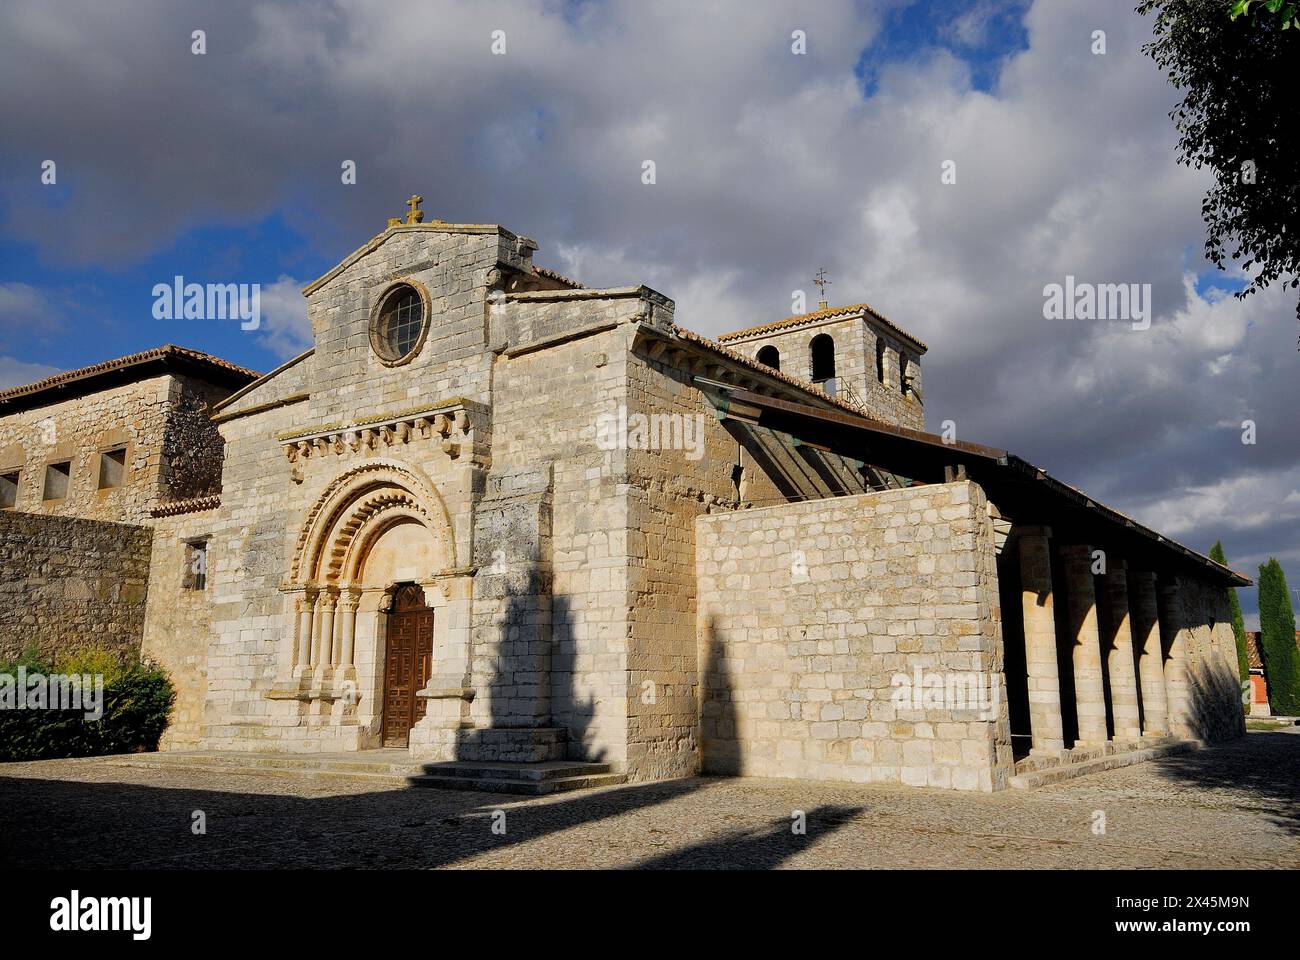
278 761
1033 763
393 780
531 772
488 784
551 776
1067 771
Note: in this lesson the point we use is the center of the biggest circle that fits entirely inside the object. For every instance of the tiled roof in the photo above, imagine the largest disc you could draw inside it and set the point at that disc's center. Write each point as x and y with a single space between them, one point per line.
558 277
166 352
1254 649
1253 659
801 319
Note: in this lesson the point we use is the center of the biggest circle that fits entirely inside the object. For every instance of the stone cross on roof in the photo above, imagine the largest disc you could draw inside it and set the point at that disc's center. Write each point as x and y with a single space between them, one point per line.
416 215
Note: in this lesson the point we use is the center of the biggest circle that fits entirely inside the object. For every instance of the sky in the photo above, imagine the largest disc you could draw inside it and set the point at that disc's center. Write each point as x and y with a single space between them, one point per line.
226 166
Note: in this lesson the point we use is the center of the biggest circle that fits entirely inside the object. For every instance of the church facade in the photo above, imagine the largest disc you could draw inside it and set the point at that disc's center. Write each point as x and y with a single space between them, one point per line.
494 516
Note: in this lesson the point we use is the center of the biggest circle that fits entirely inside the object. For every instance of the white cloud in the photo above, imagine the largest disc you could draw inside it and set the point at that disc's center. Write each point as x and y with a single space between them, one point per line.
285 329
15 373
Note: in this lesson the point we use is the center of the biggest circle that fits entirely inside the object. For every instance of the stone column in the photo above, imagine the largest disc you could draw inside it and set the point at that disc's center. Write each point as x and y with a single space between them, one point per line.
328 603
1145 619
306 622
1118 645
1045 723
348 612
1081 606
1175 635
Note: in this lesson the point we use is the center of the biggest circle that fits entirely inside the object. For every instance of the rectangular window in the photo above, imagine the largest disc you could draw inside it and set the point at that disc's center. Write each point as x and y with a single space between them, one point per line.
902 373
880 360
57 478
112 468
8 489
196 565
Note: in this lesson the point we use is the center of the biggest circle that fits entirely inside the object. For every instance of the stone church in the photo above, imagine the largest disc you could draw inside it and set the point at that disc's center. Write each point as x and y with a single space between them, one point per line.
494 517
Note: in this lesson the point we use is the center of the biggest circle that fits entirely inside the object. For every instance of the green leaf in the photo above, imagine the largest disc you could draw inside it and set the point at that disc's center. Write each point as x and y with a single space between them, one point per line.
1273 6
1238 8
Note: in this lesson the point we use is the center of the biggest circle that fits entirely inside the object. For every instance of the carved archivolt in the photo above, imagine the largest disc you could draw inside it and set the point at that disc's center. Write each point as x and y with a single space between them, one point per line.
357 507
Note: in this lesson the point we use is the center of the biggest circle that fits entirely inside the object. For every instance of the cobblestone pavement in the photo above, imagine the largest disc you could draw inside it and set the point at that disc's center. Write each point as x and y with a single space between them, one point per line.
1233 806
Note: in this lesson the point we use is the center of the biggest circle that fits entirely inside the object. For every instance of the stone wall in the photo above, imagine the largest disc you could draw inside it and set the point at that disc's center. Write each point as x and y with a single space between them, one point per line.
1214 683
545 403
623 667
454 267
67 584
178 621
668 488
812 615
253 533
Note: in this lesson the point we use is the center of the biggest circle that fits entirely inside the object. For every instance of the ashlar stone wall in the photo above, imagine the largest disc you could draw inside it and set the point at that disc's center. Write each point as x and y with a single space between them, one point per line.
68 583
1214 686
818 619
178 620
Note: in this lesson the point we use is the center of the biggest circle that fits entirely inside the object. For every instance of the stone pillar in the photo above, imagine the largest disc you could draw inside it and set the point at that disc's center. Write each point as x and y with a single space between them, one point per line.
1045 722
1118 645
1145 619
1081 607
326 659
1176 635
306 629
348 628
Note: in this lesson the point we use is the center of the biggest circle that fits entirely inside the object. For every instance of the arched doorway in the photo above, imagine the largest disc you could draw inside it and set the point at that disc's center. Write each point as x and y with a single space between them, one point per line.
376 554
408 662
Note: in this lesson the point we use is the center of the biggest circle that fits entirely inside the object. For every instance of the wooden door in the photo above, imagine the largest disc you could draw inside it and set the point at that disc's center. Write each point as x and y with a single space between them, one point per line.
408 663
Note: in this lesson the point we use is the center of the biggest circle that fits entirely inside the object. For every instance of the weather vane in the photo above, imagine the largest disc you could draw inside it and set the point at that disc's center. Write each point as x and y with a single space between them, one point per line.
821 282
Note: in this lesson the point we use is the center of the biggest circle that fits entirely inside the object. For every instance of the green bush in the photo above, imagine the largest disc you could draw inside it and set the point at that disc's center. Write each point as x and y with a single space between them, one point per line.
137 700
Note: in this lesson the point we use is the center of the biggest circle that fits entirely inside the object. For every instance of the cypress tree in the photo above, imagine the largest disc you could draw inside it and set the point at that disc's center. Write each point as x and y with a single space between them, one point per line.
1238 624
1277 640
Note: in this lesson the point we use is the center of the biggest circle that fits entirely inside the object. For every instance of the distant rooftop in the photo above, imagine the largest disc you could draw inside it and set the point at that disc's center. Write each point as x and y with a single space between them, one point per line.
827 313
136 366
